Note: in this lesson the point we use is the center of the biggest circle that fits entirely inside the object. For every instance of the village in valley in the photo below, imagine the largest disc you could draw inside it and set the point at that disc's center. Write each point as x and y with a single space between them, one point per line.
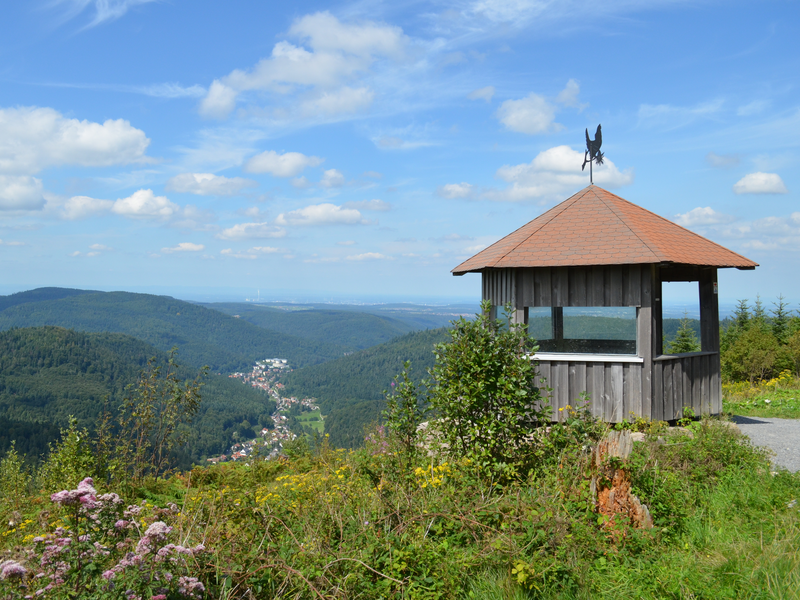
265 376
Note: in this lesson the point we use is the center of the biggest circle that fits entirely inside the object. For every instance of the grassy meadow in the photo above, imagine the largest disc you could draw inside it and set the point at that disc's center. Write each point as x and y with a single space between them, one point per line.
778 397
381 523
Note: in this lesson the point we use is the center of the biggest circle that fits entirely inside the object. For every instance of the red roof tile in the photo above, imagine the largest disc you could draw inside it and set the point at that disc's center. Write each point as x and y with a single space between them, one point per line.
596 227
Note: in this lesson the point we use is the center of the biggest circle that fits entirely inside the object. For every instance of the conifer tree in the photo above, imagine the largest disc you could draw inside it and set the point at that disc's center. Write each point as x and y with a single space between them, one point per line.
685 339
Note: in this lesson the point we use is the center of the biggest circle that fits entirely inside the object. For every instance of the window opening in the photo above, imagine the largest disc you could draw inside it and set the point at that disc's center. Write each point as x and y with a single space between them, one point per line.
588 330
680 317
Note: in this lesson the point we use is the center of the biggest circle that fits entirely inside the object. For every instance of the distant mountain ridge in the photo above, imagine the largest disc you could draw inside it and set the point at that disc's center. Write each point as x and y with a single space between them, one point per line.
351 329
203 336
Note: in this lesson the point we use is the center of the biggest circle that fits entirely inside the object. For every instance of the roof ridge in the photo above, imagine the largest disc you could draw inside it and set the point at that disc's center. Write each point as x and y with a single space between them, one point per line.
642 238
544 222
674 224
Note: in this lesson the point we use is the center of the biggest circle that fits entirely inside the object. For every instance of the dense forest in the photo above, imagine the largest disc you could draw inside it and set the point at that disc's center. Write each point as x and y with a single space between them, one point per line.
350 390
349 329
759 344
48 374
204 336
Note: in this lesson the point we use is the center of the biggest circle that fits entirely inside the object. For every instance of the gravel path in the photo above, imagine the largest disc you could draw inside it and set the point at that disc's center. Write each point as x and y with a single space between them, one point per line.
781 435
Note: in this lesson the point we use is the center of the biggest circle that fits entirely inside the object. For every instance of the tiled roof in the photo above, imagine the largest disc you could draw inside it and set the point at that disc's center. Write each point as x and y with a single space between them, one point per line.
596 227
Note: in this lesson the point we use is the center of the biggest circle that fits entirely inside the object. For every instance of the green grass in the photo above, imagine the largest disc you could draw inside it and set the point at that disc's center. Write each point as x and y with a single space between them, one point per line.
778 398
313 419
373 523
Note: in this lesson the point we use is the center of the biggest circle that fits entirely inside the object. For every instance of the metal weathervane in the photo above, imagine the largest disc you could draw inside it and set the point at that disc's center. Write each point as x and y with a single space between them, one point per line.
593 154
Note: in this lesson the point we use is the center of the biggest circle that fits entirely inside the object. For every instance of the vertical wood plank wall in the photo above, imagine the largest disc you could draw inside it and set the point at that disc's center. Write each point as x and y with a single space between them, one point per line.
687 381
657 388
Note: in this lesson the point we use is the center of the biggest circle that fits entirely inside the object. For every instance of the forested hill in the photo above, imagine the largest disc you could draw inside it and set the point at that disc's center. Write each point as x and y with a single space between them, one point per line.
50 373
350 389
203 336
352 329
39 295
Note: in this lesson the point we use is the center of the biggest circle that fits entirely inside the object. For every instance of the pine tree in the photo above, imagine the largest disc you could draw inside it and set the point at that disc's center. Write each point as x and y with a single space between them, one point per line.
685 339
780 319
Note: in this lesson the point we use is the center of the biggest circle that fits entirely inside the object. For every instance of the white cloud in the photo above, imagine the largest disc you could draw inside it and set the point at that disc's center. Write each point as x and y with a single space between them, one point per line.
287 164
191 217
339 53
80 207
2 243
219 101
301 183
171 90
250 254
373 174
553 173
376 205
320 214
32 139
251 231
484 93
144 204
703 216
184 247
346 243
455 237
569 95
241 255
208 184
671 117
368 256
722 160
343 101
765 234
455 190
388 141
760 183
332 178
104 10
99 247
755 107
21 193
532 115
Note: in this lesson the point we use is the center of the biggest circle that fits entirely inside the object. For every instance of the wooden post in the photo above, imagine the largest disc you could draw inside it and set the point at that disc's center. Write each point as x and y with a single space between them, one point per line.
709 336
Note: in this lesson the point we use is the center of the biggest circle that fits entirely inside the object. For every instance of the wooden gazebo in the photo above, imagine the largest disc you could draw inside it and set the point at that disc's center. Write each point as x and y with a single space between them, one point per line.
586 278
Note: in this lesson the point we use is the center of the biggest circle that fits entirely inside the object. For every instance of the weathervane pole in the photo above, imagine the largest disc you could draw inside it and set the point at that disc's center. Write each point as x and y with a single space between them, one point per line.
592 153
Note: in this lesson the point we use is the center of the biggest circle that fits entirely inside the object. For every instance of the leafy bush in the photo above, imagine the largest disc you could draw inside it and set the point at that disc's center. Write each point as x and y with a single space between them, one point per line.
484 395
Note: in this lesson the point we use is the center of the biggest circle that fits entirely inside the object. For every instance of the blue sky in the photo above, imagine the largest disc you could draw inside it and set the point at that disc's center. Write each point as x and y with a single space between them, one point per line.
364 149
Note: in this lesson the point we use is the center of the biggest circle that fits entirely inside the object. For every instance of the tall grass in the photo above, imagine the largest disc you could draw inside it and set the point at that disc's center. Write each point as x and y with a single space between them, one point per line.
378 523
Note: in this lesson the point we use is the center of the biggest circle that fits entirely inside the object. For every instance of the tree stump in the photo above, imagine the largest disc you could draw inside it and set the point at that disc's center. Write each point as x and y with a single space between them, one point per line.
611 484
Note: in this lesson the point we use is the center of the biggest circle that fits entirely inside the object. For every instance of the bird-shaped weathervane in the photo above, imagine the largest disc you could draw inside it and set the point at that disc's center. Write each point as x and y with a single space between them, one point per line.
593 154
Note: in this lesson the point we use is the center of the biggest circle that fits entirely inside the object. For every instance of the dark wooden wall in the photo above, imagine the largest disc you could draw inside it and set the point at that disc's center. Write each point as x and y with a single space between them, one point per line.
686 380
657 387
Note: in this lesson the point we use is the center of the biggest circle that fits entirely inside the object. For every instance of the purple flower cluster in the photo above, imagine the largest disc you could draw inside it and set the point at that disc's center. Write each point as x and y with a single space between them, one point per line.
11 569
377 442
154 570
190 587
84 495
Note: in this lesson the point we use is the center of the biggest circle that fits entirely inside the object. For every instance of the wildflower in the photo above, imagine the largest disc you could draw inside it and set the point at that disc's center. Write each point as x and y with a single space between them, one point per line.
190 587
83 495
11 569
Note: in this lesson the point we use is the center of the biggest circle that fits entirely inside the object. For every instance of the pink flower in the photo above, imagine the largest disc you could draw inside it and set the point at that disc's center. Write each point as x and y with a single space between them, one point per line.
11 569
